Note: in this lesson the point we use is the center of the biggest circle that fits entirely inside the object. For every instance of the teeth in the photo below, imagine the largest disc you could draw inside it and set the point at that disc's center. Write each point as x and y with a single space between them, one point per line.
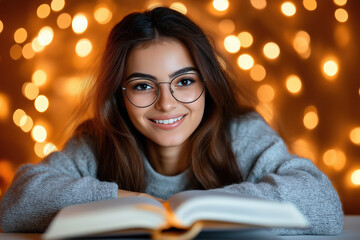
168 121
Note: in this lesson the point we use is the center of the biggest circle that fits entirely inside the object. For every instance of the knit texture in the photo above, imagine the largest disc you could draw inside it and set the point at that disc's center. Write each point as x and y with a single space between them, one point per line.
68 177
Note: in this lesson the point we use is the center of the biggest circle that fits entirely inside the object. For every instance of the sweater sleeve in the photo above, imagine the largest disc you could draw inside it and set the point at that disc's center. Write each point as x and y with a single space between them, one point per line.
269 171
39 191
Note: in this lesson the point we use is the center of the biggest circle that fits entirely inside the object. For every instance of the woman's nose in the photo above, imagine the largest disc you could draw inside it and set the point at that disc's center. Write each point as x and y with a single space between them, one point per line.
165 102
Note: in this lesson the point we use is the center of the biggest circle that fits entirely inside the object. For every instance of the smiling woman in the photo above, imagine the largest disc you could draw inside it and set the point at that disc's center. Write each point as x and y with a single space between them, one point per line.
166 118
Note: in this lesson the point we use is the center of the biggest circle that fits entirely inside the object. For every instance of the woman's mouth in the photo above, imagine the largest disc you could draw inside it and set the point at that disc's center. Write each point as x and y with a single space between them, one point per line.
168 121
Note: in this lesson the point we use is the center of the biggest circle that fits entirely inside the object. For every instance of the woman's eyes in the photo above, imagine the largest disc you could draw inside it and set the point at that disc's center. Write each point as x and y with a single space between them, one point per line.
185 82
142 87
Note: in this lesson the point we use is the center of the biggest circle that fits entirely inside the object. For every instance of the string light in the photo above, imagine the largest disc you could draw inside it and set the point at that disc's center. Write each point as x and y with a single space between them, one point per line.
258 4
301 44
288 9
355 177
83 47
355 134
330 69
46 35
39 133
340 2
310 5
43 11
232 44
180 7
341 15
41 103
266 93
245 61
246 39
221 5
63 20
15 52
28 51
311 118
20 35
271 50
30 90
57 5
227 26
102 14
17 115
79 23
36 46
335 158
293 84
39 77
26 123
258 72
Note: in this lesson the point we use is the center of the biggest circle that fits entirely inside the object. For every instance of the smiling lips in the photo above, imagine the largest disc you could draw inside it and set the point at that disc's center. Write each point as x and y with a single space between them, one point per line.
169 123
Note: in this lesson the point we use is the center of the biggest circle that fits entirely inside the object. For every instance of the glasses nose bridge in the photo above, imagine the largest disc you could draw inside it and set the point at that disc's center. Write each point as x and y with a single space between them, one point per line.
169 83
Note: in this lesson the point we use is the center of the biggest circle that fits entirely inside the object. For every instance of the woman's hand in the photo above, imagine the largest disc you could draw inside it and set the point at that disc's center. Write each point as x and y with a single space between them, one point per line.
124 193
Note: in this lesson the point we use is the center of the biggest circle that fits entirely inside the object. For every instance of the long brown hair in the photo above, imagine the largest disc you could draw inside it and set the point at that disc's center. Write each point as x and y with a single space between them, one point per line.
119 145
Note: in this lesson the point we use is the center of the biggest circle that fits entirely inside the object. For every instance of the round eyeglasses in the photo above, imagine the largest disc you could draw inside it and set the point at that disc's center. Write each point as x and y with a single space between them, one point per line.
185 88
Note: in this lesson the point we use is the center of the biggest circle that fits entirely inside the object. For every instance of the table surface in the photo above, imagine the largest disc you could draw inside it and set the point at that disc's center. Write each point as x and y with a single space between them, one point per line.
351 231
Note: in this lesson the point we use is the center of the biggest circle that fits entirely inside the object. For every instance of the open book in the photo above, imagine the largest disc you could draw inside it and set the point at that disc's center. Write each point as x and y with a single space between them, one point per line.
188 212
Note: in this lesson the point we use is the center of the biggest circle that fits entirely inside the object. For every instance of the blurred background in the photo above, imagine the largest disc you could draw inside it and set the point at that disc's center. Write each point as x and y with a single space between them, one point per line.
299 57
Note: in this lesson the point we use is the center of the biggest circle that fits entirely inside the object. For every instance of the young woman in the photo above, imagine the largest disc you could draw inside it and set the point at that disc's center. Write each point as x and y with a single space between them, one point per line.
167 117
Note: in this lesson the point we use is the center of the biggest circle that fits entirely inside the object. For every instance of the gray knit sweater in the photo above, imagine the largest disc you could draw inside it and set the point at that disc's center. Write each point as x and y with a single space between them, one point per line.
68 177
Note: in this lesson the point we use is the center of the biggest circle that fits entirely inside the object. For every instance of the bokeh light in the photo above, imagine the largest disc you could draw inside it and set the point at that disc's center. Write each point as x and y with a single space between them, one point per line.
28 51
341 15
271 50
1 26
232 44
311 118
30 90
20 35
83 47
43 11
39 133
26 123
63 20
102 14
335 158
288 9
57 5
258 73
180 7
355 177
79 23
46 35
17 115
4 106
41 103
330 68
39 77
49 148
310 5
301 43
265 93
355 135
293 84
245 61
221 5
15 52
340 2
227 26
36 46
258 4
246 39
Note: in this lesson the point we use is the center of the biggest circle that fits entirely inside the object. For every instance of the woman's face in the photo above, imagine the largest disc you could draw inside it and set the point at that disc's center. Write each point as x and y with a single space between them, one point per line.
167 122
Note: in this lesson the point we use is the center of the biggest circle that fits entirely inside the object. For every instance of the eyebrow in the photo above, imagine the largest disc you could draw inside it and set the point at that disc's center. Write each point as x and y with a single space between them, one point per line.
148 76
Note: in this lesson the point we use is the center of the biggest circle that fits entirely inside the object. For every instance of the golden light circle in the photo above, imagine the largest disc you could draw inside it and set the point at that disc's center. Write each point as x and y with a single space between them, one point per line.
46 35
63 21
355 177
39 77
49 148
227 26
330 68
26 123
30 90
15 52
83 47
39 149
36 46
258 4
79 23
311 118
28 51
293 84
221 5
1 26
180 7
57 5
102 14
257 72
17 116
43 11
245 61
301 42
265 93
246 39
355 135
232 44
271 50
340 2
20 35
335 158
4 106
341 15
288 9
310 5
41 103
39 133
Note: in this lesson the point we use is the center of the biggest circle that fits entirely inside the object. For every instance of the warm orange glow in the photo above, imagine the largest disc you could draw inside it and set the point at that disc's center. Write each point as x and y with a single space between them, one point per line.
39 133
330 68
310 5
265 93
293 84
17 116
180 7
26 123
311 118
232 44
355 177
1 26
27 51
4 106
341 15
271 50
227 26
15 52
258 4
39 149
41 103
57 5
304 148
257 72
355 135
83 47
342 35
30 90
340 2
301 43
221 5
64 20
245 61
46 35
49 148
102 14
20 35
43 11
36 46
288 9
39 77
335 158
79 23
246 39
